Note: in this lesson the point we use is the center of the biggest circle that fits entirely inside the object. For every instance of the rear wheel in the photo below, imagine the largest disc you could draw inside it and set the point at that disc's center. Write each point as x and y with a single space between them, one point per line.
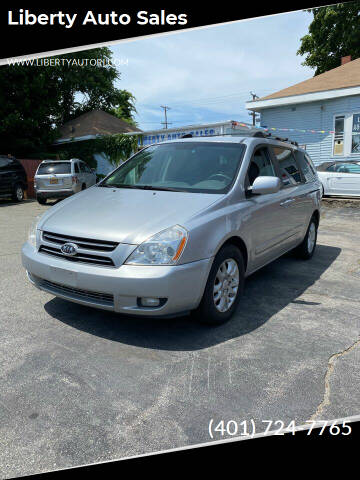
83 186
18 193
223 288
307 247
41 200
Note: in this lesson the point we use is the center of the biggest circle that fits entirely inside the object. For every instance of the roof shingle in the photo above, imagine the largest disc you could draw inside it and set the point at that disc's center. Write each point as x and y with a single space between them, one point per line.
345 76
96 122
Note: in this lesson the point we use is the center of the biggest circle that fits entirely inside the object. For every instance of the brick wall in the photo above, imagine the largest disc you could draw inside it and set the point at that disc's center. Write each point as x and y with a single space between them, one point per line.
30 166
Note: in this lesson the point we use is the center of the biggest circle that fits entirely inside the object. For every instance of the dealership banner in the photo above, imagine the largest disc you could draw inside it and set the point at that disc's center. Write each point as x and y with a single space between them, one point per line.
34 31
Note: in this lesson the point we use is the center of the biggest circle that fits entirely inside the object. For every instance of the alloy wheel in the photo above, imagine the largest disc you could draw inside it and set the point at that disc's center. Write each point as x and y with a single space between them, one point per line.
226 285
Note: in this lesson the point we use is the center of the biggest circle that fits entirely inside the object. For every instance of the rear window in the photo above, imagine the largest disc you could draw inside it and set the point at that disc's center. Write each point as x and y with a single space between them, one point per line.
290 174
306 166
54 168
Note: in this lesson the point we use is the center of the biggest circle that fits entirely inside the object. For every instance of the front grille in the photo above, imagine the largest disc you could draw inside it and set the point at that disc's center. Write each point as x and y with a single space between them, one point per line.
101 298
87 243
96 246
79 257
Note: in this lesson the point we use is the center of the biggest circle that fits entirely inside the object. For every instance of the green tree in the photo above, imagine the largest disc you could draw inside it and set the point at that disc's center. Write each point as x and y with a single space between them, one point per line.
28 103
333 33
84 87
36 100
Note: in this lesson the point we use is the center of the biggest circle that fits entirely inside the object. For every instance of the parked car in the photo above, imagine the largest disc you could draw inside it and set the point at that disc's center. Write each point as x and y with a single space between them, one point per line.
62 178
13 180
340 178
178 227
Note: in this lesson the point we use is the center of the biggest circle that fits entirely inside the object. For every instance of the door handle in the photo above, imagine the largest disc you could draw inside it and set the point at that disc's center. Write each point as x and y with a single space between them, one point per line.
287 202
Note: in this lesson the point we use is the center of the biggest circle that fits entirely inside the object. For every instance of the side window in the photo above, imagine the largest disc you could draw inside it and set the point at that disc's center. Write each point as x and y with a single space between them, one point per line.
289 170
347 168
82 167
331 168
260 166
311 164
76 168
305 165
3 163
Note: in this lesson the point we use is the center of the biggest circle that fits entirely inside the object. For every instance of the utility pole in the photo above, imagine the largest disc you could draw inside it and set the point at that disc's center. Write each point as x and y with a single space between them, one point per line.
165 123
253 114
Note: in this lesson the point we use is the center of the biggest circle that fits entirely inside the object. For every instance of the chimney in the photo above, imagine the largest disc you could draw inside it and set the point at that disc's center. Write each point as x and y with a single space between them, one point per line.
346 59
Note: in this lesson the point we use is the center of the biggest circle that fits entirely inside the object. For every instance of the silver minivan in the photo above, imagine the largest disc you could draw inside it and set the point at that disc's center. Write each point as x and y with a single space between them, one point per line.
62 178
178 227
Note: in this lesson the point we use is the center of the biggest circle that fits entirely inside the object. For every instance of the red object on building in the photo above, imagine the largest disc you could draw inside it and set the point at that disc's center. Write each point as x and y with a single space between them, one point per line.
30 165
346 59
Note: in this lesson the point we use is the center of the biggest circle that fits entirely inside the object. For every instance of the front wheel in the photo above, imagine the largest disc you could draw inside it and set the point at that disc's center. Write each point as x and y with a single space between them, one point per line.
306 248
223 288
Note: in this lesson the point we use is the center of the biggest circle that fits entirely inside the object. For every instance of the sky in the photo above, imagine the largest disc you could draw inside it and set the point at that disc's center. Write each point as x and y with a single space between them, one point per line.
206 75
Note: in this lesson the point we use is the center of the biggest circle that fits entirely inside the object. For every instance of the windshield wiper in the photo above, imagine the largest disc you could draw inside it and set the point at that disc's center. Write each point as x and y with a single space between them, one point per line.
116 185
165 189
140 187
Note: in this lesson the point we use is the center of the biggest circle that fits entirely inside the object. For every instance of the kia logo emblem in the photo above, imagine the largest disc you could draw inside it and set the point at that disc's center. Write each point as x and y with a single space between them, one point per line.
69 249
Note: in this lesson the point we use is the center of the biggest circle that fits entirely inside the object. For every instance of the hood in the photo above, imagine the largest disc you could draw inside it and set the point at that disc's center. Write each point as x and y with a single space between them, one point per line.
123 215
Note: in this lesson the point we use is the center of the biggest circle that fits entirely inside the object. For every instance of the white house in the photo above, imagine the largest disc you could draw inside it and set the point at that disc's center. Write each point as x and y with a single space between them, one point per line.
322 113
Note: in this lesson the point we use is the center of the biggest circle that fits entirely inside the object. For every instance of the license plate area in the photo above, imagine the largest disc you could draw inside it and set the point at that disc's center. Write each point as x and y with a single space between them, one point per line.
62 276
54 180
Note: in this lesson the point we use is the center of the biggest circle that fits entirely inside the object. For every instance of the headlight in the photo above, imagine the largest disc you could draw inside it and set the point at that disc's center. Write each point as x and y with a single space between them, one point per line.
32 231
164 248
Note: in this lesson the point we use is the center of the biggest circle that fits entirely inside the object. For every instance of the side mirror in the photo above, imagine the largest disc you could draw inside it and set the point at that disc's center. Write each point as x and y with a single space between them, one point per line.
265 185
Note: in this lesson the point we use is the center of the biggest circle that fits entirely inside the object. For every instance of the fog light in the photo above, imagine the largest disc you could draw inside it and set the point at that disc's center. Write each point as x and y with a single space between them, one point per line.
150 302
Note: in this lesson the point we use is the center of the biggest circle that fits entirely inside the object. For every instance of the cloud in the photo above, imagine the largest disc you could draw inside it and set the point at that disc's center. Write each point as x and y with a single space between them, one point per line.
206 75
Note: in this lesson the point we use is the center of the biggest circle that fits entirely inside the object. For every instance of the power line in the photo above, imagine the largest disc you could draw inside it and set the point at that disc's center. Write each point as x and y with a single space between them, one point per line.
166 123
195 101
254 114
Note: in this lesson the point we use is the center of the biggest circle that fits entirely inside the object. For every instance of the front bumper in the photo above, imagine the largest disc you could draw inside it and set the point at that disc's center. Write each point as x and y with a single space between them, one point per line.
118 289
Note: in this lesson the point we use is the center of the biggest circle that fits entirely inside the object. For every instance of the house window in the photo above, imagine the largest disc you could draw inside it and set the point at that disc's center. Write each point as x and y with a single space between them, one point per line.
355 134
346 137
339 135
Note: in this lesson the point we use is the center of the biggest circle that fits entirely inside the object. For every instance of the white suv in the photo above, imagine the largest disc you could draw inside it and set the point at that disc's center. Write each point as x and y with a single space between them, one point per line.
62 178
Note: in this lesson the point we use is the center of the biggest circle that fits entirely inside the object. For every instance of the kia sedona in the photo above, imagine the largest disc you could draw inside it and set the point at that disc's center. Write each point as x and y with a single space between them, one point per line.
178 227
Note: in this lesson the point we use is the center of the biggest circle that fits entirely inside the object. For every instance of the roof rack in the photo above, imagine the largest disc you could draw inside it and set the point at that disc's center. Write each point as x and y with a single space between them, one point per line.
258 133
268 134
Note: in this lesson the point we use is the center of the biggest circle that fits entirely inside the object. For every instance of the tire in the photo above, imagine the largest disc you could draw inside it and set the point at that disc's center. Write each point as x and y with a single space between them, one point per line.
41 200
209 311
83 186
307 247
18 193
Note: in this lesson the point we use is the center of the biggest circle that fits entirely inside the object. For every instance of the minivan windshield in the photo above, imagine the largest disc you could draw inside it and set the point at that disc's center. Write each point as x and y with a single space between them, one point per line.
207 167
50 168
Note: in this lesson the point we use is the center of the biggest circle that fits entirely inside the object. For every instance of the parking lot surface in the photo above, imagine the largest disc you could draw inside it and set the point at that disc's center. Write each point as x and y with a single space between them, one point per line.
79 386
